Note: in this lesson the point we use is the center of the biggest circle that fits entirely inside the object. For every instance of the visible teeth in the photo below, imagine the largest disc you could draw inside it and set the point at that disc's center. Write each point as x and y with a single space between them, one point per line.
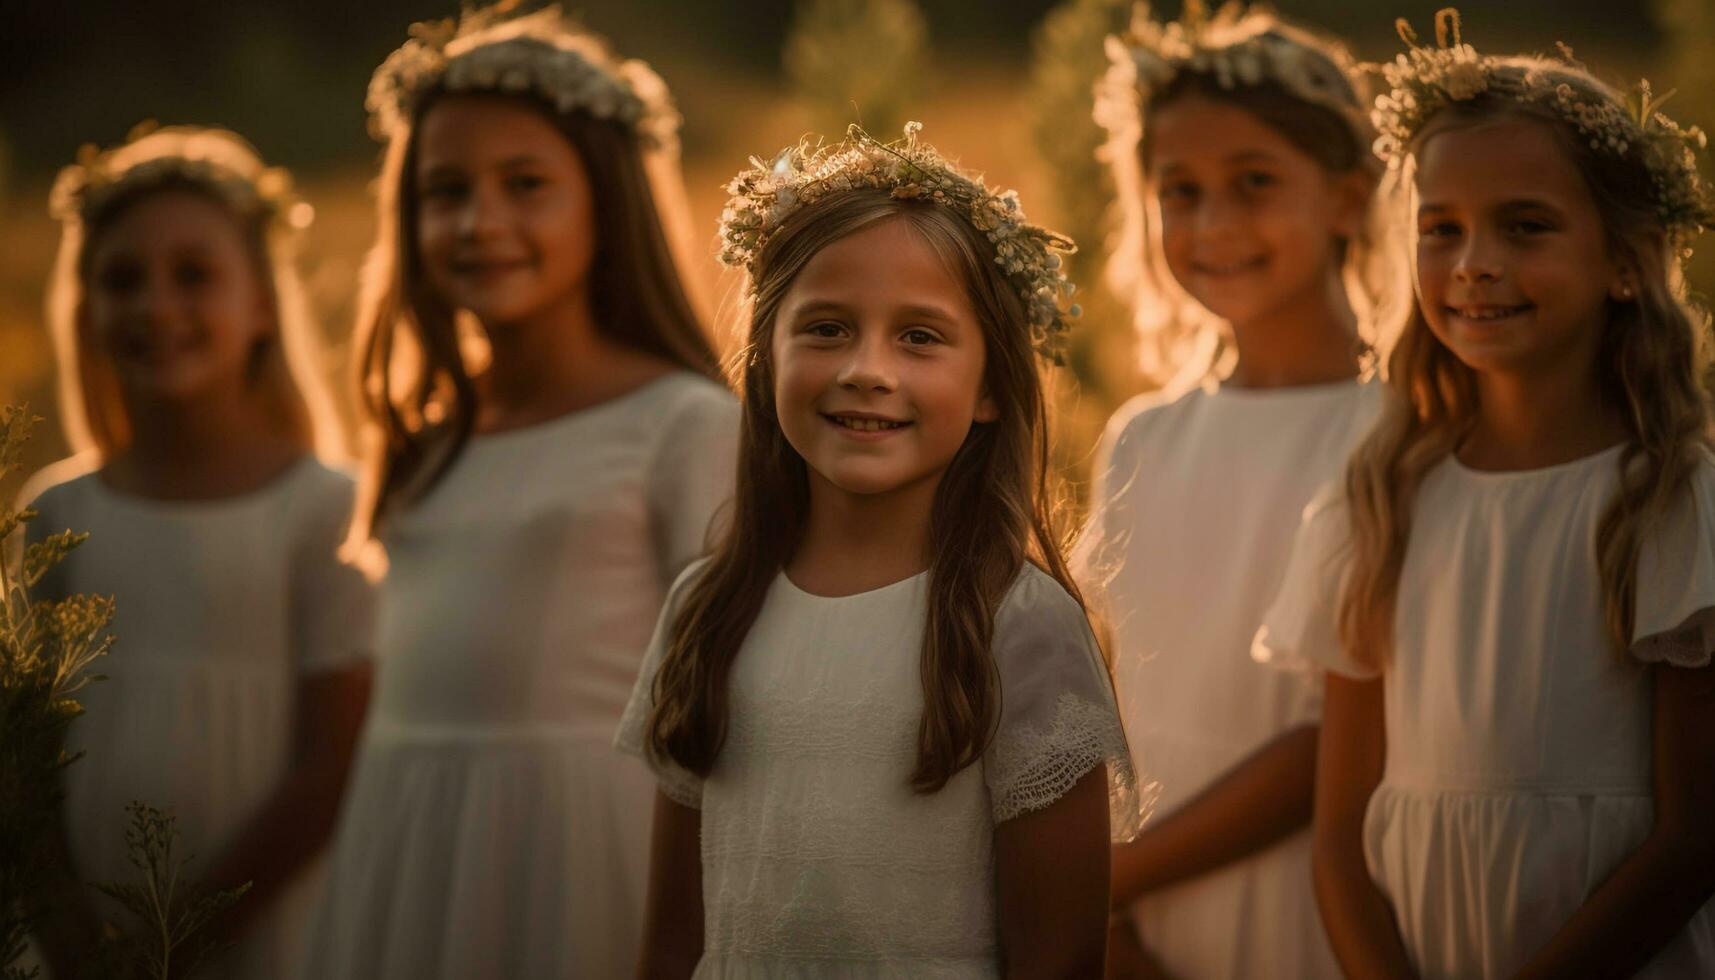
1489 312
865 425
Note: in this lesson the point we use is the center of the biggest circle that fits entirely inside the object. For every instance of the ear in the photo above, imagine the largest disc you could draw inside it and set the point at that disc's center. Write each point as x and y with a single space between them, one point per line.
1622 287
986 408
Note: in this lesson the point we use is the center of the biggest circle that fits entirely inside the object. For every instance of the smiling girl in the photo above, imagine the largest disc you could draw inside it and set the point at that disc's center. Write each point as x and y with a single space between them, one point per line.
549 443
190 389
1244 157
885 735
1514 597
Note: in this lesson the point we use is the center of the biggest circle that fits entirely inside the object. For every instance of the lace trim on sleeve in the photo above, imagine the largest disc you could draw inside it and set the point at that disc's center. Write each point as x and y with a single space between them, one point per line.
1038 767
1687 645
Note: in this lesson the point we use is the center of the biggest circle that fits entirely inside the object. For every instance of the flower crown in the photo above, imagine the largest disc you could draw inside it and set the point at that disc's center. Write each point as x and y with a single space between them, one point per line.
767 193
1237 47
217 160
1426 80
544 54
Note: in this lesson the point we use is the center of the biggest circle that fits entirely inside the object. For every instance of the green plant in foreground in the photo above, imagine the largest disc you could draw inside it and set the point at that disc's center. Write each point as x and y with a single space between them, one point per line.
47 648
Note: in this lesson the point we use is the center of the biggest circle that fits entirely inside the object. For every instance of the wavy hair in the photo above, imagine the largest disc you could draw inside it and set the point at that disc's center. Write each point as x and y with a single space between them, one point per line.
994 510
1652 357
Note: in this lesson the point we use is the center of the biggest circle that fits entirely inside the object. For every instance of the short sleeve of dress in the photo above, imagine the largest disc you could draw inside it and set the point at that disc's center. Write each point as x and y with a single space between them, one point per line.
1675 615
1058 719
1299 631
691 474
680 786
332 600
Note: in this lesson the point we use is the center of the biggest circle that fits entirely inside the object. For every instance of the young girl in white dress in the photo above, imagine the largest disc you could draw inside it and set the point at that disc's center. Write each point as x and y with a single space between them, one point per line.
1243 156
534 505
1514 594
885 735
189 388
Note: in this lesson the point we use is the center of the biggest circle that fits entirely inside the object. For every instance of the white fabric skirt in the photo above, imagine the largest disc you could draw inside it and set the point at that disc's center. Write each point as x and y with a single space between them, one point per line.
501 854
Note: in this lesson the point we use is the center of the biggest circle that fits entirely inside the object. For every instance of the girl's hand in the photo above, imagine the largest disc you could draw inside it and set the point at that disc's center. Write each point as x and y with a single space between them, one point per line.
1128 958
1051 882
1350 756
673 912
1649 898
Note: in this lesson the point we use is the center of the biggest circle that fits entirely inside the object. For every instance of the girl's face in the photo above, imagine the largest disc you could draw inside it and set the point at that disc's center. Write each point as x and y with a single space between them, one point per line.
1513 271
505 216
173 297
1248 221
878 362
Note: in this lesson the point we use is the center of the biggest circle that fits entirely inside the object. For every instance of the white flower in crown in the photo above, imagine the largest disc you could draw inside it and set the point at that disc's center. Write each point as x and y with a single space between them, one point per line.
766 194
1236 47
216 160
542 54
1425 80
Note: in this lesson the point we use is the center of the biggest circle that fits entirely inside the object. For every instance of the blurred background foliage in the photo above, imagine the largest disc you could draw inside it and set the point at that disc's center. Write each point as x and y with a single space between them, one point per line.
1001 85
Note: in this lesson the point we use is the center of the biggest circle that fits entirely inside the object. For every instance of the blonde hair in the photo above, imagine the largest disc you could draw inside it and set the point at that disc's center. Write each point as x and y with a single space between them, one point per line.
1180 341
287 371
1652 358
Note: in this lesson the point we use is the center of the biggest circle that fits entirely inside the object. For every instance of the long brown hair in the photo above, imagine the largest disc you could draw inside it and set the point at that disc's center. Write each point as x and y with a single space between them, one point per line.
1179 340
994 509
417 389
1651 358
285 367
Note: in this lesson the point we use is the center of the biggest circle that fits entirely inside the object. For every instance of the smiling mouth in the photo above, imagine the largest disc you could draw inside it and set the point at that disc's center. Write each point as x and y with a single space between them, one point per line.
1489 312
857 424
483 269
1229 268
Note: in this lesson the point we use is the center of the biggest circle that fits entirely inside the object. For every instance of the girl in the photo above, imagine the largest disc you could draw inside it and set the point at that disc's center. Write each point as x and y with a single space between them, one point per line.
188 388
1244 160
885 736
534 504
1515 771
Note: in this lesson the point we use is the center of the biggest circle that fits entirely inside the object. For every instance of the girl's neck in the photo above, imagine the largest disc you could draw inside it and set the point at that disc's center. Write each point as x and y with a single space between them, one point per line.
1528 422
554 363
222 445
1310 339
858 542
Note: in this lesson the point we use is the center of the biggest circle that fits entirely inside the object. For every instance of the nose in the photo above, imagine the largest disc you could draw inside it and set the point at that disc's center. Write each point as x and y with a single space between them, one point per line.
868 366
1478 260
1219 214
481 215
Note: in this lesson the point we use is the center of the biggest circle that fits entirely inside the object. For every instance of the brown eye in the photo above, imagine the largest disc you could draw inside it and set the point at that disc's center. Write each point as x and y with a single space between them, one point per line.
120 277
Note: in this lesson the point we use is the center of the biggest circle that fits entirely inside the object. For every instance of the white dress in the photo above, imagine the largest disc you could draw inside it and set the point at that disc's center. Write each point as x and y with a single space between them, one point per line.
818 858
222 607
1195 506
491 830
1519 742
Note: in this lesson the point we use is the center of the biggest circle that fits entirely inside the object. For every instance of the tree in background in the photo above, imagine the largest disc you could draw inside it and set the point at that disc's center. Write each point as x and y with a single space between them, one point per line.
1067 59
858 61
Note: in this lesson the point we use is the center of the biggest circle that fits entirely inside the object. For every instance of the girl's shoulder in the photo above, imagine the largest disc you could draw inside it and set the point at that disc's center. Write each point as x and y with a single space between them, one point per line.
1035 597
61 482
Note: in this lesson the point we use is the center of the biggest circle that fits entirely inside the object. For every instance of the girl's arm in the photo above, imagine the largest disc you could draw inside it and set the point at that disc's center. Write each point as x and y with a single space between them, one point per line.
1350 755
1259 801
297 821
1051 879
673 913
1654 892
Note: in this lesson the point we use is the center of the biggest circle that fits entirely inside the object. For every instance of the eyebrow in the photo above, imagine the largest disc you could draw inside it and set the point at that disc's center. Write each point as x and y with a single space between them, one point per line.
510 163
1515 204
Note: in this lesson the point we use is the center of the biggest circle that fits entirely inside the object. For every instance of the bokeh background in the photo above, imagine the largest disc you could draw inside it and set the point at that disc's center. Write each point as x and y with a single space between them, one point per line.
1002 85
